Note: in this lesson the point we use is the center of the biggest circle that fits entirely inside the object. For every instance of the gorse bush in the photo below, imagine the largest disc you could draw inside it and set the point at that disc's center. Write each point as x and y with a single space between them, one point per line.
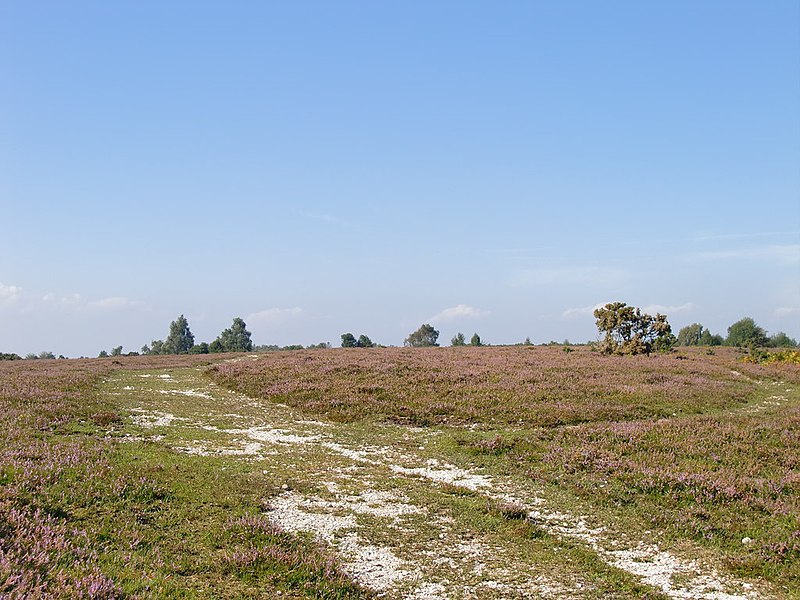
630 331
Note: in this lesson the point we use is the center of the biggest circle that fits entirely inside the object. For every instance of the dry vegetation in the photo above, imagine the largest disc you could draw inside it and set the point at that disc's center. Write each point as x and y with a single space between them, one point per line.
531 386
702 448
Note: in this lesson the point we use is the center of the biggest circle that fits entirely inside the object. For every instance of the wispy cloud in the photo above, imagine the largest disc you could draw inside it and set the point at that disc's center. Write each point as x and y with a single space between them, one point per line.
15 298
652 309
272 316
570 276
707 237
786 254
112 303
583 311
330 219
461 311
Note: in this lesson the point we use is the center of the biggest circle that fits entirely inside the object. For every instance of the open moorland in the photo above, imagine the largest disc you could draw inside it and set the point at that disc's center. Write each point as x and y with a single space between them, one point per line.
488 472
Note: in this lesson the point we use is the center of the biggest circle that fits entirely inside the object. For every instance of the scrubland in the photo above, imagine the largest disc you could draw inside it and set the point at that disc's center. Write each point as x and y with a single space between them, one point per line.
698 450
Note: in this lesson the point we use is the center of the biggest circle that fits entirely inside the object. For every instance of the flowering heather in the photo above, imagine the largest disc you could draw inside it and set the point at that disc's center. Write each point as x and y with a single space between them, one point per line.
41 555
702 446
81 517
494 385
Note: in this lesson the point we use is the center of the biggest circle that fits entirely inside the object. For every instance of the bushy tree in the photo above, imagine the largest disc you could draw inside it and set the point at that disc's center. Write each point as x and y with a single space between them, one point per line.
236 338
706 339
426 335
350 341
475 340
630 331
781 340
201 348
691 335
9 356
746 333
216 347
103 354
458 340
46 354
320 346
116 351
180 339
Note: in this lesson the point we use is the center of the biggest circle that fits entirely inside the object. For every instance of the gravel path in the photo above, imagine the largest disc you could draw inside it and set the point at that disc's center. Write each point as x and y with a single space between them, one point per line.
391 508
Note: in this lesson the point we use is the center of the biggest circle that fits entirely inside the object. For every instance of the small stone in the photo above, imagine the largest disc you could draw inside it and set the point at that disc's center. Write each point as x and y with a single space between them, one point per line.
284 487
746 540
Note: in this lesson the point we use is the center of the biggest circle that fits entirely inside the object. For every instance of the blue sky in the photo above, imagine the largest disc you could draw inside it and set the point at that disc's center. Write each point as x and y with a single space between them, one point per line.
318 167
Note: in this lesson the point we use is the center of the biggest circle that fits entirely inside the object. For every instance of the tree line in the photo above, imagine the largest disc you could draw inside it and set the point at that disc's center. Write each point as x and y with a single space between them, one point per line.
180 340
626 330
745 333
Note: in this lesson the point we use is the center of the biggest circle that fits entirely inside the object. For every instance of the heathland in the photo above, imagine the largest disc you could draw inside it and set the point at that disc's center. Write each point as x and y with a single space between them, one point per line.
415 472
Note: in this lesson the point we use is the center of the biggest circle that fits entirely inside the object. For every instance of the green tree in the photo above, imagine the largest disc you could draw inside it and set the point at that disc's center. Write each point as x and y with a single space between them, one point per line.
201 348
475 340
349 340
103 354
46 354
426 335
691 335
630 331
320 346
781 340
180 339
216 347
706 339
745 333
116 351
236 338
527 342
364 342
458 340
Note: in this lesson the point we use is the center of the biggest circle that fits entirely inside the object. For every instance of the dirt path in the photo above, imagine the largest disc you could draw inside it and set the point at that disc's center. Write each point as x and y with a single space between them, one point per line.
406 522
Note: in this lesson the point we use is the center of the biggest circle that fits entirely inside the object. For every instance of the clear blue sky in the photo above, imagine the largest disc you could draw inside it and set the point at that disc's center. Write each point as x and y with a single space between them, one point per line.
322 167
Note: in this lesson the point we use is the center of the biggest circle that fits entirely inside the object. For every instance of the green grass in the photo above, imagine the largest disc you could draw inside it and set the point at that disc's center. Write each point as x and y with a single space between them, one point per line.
135 519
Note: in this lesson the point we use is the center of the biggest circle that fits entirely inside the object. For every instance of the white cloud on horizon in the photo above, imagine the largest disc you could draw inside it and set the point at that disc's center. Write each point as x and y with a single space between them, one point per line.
461 311
15 298
9 293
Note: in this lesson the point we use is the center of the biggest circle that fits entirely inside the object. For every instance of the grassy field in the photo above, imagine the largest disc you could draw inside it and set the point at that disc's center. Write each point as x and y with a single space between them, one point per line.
156 477
702 447
84 516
